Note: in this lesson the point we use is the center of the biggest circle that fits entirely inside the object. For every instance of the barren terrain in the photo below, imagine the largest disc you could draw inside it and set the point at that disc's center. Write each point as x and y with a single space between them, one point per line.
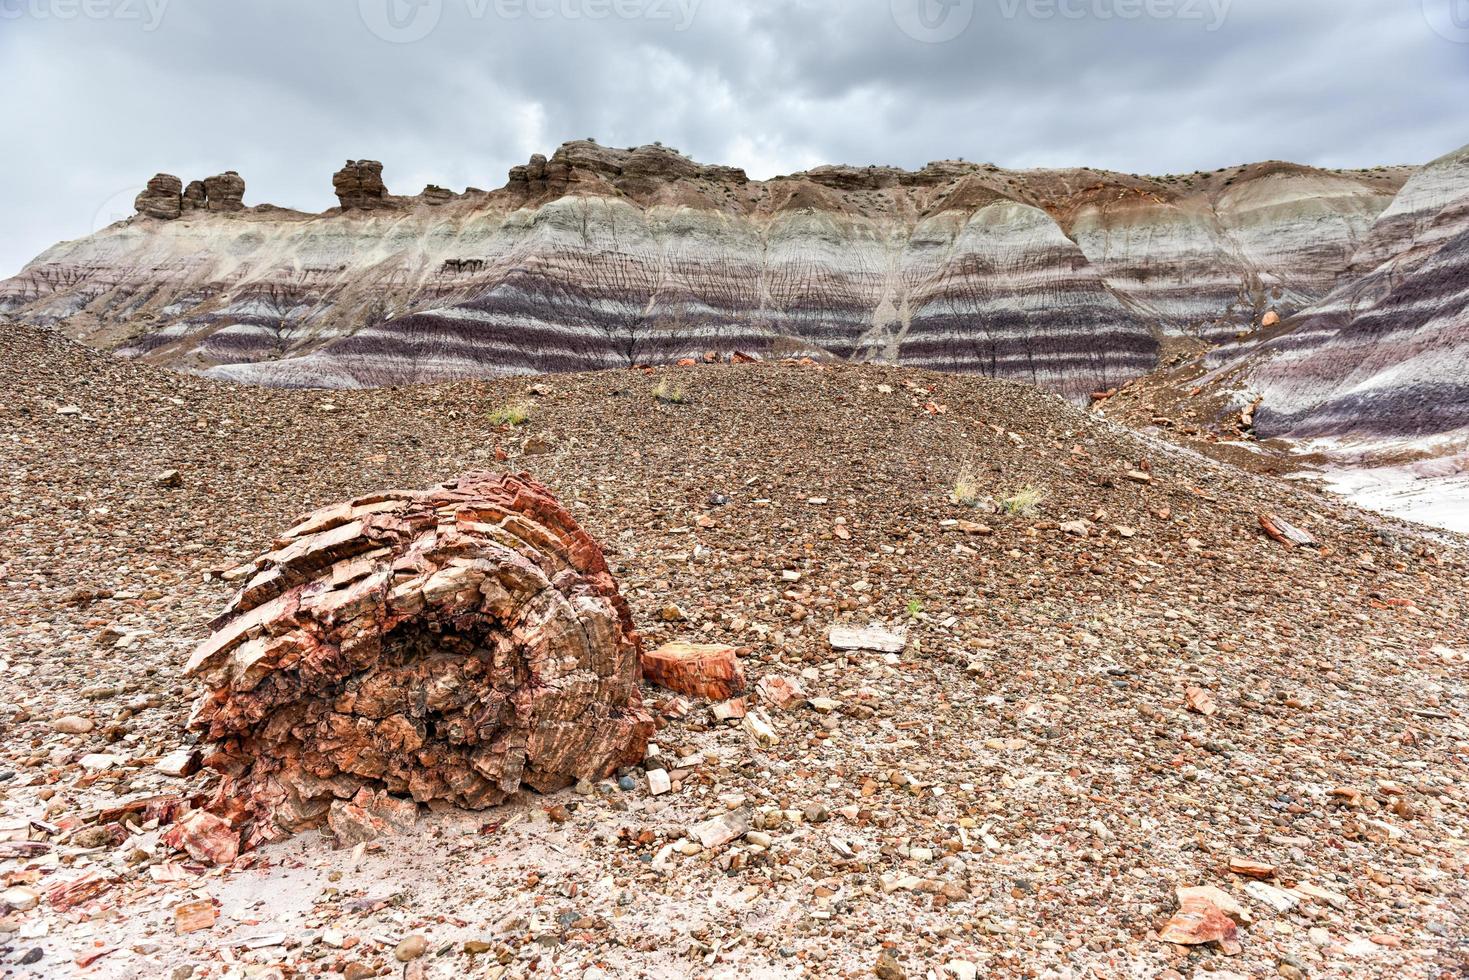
1084 718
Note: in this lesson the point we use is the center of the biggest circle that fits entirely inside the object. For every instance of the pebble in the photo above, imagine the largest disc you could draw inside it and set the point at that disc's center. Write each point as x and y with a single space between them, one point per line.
411 948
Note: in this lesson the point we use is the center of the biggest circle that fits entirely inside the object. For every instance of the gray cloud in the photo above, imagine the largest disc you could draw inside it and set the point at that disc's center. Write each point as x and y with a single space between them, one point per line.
283 91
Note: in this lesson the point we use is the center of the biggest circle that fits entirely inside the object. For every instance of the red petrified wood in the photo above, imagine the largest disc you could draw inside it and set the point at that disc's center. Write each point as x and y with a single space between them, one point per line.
449 644
699 670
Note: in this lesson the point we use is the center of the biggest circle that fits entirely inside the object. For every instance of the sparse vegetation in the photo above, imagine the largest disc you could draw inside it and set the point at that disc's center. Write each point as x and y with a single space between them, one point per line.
671 392
511 414
914 608
1024 502
966 489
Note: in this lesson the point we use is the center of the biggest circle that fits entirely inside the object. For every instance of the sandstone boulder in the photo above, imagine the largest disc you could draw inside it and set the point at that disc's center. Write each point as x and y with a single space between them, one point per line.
359 185
162 198
195 197
449 644
225 192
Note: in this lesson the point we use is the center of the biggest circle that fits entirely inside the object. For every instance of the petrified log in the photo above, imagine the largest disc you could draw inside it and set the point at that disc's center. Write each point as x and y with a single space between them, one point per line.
700 670
449 644
1286 533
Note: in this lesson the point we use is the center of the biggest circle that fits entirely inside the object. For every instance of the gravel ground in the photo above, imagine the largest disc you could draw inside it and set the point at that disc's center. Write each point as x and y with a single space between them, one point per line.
1019 792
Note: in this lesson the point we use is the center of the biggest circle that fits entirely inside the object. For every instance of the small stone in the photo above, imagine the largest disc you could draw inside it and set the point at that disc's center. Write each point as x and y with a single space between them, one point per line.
722 829
888 967
1247 868
659 782
194 916
626 783
759 728
169 479
205 837
701 670
181 763
411 948
872 638
73 725
730 710
32 956
1277 898
20 898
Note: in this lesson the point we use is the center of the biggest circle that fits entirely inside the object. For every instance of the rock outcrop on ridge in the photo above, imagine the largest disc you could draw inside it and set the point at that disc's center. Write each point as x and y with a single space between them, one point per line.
166 198
451 644
359 185
598 257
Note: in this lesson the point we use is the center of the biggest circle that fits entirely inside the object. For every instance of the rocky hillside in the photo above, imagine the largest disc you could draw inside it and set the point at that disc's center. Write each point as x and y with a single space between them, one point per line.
605 258
1108 684
1386 354
1376 371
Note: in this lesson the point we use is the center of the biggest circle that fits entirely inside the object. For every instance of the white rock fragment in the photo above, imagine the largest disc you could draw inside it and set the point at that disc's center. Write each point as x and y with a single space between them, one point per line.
873 638
180 763
722 829
20 898
757 725
1277 898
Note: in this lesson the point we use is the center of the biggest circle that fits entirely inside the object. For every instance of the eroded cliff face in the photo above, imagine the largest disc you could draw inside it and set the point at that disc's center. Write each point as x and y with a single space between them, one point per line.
1385 355
598 257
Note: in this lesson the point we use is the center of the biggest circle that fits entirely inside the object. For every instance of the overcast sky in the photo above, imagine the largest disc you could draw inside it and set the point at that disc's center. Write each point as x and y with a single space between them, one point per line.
101 94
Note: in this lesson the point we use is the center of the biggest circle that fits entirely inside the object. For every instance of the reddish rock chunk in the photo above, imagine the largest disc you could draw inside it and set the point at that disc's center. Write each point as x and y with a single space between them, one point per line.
205 837
450 644
1286 533
701 670
194 916
1198 921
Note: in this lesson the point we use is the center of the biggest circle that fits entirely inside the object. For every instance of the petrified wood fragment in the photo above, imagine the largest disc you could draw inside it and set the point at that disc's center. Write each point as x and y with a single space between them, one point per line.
450 644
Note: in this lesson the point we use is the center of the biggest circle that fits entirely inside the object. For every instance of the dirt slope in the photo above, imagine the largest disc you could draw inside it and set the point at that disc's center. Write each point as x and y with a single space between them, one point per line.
1022 788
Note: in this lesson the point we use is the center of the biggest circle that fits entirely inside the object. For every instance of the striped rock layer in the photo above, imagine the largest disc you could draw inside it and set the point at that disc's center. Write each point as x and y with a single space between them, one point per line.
1385 355
451 644
600 258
